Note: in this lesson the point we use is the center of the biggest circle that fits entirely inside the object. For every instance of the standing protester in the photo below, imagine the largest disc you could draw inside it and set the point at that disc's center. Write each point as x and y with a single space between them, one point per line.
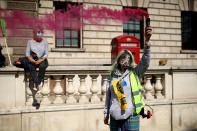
37 54
124 101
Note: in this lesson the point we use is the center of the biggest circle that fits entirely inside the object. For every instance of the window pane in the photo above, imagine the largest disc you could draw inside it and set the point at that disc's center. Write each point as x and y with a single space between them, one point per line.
136 22
59 42
67 33
74 34
125 33
137 27
67 42
75 42
131 27
131 22
75 19
125 26
137 35
186 37
59 34
132 34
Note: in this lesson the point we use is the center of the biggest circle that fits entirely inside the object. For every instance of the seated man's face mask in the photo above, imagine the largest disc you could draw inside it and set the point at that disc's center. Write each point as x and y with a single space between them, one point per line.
39 35
125 60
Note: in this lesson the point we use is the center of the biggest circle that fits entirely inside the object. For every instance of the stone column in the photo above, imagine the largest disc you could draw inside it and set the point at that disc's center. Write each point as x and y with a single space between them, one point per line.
148 88
103 88
94 89
70 90
58 91
158 88
45 92
82 90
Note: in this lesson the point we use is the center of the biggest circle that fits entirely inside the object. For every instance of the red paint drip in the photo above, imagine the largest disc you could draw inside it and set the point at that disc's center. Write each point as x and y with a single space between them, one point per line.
72 18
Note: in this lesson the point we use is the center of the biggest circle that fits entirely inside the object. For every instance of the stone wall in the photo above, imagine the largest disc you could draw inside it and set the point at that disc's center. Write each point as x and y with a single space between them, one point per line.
166 117
173 99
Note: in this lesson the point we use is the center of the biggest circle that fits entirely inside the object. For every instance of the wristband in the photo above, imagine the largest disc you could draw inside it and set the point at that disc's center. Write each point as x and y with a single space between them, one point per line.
147 43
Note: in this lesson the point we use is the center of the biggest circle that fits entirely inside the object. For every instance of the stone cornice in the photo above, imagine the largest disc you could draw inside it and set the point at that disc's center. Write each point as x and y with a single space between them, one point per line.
63 107
98 69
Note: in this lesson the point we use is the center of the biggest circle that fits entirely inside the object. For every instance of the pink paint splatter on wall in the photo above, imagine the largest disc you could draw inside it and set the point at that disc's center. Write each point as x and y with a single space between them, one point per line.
74 18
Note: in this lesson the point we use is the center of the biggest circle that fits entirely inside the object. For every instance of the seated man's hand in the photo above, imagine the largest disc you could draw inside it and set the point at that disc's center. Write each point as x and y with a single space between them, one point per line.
106 120
38 62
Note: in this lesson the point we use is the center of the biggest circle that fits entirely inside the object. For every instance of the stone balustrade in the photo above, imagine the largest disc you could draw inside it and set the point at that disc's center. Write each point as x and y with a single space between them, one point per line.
88 88
75 85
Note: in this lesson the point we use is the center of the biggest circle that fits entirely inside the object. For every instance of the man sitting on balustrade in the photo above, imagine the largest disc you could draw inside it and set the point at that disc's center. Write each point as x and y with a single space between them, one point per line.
37 54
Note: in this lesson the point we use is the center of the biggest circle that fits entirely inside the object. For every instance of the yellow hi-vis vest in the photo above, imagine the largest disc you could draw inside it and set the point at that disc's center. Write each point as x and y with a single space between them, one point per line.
136 91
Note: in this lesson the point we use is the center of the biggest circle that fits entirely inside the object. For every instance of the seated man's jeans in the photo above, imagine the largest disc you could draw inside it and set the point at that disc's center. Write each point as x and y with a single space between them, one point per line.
37 78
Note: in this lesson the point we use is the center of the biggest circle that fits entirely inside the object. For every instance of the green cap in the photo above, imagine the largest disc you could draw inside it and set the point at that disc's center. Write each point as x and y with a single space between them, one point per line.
3 28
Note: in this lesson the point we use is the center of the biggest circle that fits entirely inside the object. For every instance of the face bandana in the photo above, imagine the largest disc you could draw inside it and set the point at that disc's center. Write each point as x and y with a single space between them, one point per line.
125 60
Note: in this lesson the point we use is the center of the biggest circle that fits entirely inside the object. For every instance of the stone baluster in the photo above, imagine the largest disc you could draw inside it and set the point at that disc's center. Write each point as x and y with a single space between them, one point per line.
70 90
83 90
45 92
58 91
148 88
103 88
143 91
94 89
29 93
158 88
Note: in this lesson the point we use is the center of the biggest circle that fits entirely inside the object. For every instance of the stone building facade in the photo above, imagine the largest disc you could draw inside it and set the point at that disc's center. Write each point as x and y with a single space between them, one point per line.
169 89
95 43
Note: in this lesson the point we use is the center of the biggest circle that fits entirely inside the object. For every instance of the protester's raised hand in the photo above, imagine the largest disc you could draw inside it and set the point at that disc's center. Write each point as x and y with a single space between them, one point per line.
148 33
